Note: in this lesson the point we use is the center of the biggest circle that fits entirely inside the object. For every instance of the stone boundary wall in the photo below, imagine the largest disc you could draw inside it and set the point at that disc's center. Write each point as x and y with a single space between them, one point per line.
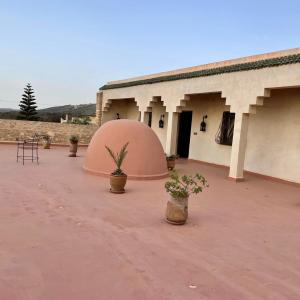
10 130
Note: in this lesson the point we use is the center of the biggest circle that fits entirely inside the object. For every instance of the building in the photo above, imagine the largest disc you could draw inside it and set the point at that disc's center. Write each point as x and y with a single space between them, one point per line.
250 106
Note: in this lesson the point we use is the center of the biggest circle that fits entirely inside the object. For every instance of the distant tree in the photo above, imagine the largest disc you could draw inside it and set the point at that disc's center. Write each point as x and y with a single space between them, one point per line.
49 117
11 115
28 104
84 120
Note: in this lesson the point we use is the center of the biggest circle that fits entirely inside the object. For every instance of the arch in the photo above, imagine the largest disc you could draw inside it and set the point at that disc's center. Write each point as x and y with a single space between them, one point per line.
274 134
123 108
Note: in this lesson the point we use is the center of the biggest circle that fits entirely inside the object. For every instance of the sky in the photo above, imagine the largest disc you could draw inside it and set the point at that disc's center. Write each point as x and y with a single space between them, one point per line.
68 49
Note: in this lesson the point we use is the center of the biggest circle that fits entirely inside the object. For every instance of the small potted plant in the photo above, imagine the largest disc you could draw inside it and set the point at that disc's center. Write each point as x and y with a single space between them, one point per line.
46 141
171 161
74 139
180 188
118 178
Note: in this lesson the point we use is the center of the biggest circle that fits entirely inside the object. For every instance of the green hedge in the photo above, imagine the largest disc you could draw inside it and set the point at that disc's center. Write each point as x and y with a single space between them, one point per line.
260 64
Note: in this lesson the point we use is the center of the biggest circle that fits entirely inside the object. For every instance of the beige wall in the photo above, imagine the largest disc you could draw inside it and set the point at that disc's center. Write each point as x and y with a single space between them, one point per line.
244 92
273 145
125 107
60 133
157 111
219 64
202 145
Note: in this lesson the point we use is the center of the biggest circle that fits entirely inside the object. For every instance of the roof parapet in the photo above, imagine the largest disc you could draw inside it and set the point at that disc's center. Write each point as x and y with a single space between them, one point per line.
229 68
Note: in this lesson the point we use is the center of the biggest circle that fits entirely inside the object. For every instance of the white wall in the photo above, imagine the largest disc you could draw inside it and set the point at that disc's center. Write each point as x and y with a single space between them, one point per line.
273 145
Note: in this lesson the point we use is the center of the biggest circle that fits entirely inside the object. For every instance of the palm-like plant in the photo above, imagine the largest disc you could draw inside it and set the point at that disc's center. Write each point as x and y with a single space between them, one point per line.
118 158
74 139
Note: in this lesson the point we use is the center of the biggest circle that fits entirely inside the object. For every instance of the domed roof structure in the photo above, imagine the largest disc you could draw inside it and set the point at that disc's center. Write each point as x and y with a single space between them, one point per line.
145 158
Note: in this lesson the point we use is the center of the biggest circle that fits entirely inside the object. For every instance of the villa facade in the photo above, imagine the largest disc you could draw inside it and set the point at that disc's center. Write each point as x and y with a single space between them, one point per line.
242 113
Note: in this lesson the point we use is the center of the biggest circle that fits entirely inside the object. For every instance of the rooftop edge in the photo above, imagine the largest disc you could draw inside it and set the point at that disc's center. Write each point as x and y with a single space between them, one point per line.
272 59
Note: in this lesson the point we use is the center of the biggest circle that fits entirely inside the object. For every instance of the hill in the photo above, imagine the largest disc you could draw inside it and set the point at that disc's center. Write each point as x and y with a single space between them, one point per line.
53 114
74 110
6 109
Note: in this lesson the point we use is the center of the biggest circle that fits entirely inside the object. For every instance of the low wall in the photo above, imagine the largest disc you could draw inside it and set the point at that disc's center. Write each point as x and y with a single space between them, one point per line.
12 129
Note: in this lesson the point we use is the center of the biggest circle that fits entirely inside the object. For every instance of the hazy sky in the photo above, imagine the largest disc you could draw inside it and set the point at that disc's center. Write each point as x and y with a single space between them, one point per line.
68 49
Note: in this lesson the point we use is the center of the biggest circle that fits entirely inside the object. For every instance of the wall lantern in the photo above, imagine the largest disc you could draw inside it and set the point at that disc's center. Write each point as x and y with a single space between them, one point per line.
161 122
203 124
118 116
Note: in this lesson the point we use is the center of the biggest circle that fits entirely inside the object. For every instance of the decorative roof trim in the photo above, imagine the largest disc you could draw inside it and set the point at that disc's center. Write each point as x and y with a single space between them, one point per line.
260 64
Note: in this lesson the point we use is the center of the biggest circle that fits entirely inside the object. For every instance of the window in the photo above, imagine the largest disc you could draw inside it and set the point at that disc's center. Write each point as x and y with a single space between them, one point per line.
225 133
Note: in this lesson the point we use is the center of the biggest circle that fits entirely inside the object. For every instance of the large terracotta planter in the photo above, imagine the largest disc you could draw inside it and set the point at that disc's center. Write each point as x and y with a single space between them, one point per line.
46 144
73 149
117 183
171 163
177 211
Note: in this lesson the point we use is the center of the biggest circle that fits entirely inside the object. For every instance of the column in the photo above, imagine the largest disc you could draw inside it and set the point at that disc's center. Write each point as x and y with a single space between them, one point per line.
239 146
171 140
142 119
99 108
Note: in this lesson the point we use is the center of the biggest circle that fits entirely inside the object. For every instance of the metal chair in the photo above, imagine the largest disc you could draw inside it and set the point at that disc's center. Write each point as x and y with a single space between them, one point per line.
28 149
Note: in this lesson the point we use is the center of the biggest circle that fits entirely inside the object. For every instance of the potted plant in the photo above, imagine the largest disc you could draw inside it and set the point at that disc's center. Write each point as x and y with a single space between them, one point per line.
171 161
118 178
180 188
74 139
46 141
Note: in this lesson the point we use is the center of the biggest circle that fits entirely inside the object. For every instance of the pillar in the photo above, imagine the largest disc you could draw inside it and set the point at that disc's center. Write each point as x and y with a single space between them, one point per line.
239 146
142 118
99 108
171 140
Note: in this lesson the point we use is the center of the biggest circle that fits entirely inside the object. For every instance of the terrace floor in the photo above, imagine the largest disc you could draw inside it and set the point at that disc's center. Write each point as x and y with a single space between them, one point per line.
64 236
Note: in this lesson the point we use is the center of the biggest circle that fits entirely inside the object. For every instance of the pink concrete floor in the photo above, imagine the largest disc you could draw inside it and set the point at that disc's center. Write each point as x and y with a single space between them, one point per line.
64 236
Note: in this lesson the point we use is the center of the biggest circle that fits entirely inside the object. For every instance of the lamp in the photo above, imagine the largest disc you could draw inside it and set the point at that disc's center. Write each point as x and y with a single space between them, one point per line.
161 122
203 124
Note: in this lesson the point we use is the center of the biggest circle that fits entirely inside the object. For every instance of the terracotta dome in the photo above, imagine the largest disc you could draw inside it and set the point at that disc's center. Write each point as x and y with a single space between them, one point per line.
145 158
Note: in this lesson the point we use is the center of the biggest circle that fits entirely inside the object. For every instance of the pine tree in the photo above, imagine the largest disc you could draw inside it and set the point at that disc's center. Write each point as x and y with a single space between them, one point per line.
28 104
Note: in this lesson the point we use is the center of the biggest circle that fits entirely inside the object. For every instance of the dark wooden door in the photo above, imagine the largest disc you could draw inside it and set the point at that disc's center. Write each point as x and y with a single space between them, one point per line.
184 133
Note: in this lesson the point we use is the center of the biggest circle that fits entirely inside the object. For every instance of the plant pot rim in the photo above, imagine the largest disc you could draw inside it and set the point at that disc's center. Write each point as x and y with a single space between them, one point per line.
171 158
179 198
123 175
